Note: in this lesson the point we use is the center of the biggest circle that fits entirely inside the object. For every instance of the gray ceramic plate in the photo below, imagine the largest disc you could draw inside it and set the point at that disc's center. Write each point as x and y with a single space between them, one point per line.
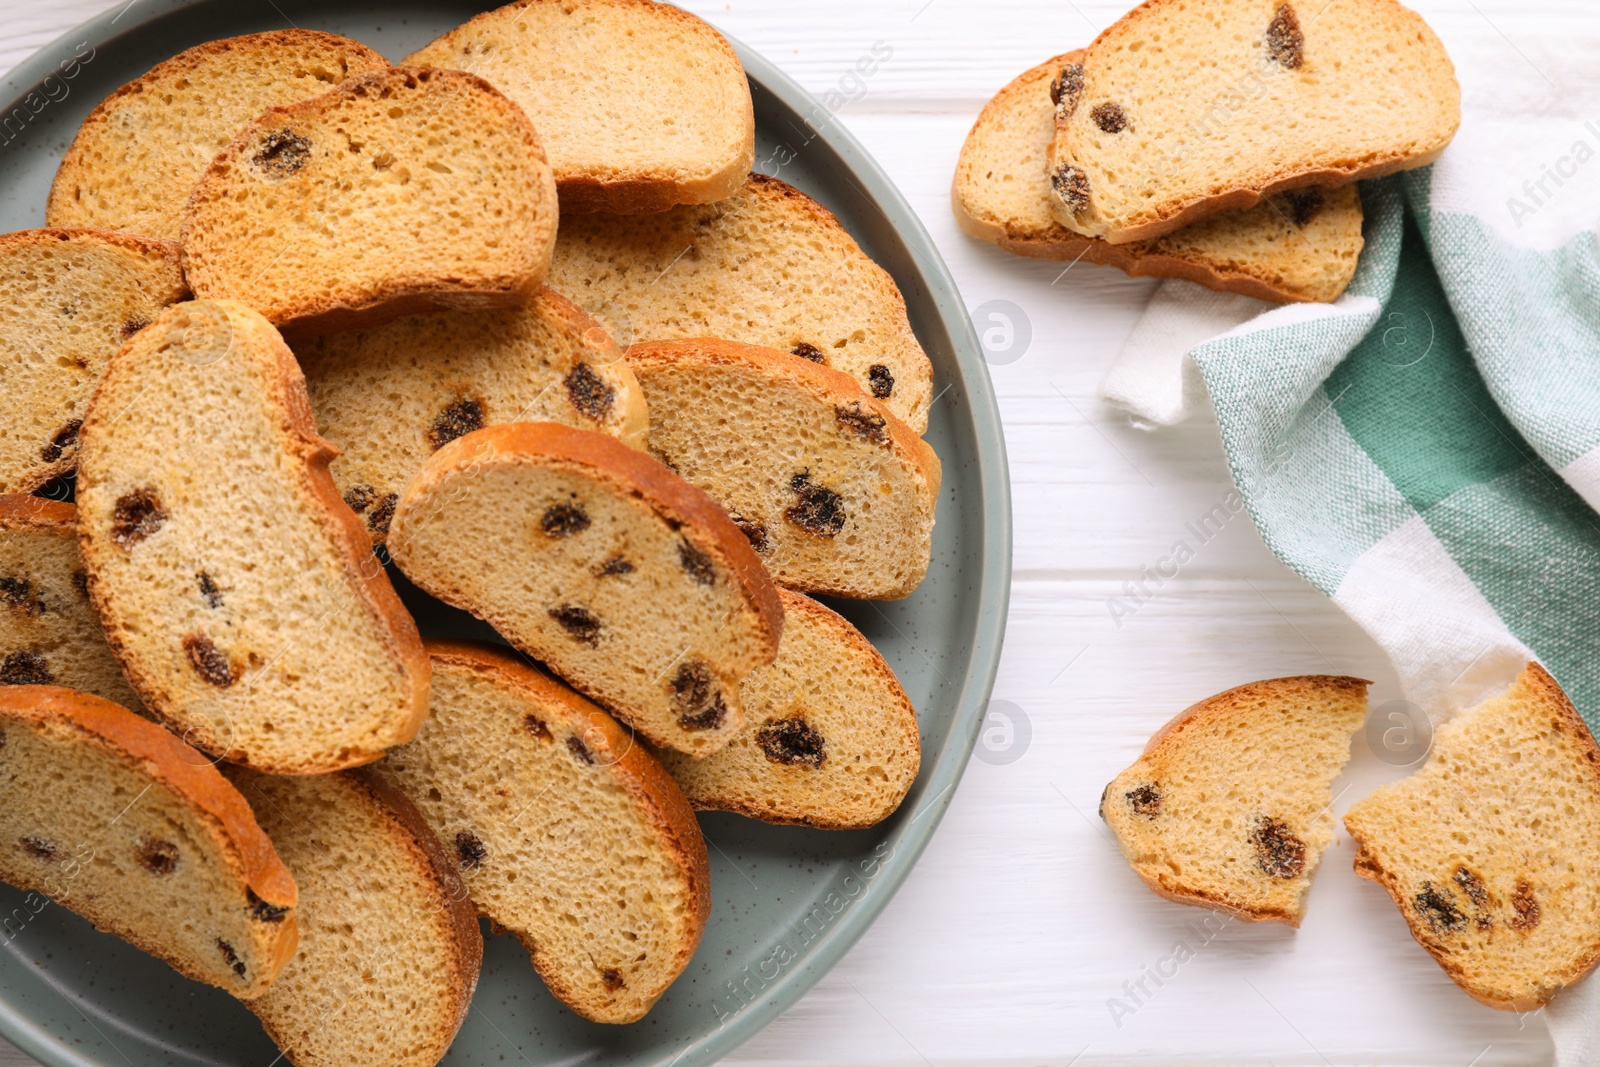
788 901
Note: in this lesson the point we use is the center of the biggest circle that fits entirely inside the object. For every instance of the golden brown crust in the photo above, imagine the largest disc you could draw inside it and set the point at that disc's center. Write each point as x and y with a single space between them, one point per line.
319 314
631 766
184 61
19 511
637 474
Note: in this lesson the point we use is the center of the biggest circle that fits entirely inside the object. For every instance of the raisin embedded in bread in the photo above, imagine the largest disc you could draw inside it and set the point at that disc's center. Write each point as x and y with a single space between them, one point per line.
566 832
830 739
115 818
1229 806
1488 850
389 943
49 633
400 191
1187 108
593 558
139 154
391 396
767 266
641 105
237 589
1301 245
833 491
72 298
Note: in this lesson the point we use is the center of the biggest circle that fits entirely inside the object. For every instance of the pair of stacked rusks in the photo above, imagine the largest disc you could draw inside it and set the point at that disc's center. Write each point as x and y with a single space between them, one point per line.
292 311
1217 142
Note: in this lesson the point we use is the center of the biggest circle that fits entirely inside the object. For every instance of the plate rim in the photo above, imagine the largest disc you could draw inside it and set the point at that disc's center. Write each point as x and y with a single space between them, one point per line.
911 835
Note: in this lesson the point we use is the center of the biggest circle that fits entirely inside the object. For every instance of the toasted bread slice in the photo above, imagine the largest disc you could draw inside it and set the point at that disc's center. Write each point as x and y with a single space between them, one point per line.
401 191
238 590
49 633
1294 246
139 154
1229 807
588 555
389 943
830 739
641 105
834 492
1187 108
566 832
391 396
767 266
112 816
72 298
1488 850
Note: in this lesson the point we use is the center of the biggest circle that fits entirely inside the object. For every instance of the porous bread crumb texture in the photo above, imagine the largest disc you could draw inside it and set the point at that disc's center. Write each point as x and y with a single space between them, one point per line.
389 944
139 154
835 494
555 538
49 633
391 396
1225 104
1002 194
641 105
1229 806
830 739
767 266
565 831
400 191
73 297
106 832
1488 849
227 573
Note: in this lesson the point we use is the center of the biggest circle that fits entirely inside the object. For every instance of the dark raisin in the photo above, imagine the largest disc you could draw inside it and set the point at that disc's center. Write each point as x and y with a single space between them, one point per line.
695 563
1071 185
25 668
589 392
134 325
1304 204
1437 907
360 497
1278 851
867 425
711 718
579 750
695 697
65 438
612 979
39 848
18 593
1064 90
535 726
806 350
754 532
1286 45
1472 885
817 509
231 958
261 911
470 851
564 520
880 381
208 590
614 566
157 857
80 582
579 622
1527 908
282 152
136 516
792 742
1145 800
1109 117
456 420
382 513
208 661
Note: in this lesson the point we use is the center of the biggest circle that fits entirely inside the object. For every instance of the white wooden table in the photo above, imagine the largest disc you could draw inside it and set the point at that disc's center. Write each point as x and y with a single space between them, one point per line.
1022 938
